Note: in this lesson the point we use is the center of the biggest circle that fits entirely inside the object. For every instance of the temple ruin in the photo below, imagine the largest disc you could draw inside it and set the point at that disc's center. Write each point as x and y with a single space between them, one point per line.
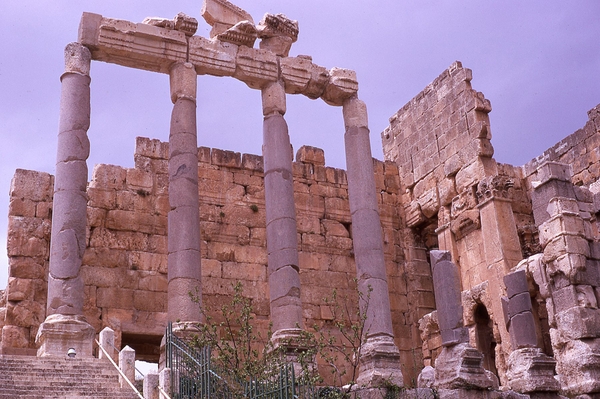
482 277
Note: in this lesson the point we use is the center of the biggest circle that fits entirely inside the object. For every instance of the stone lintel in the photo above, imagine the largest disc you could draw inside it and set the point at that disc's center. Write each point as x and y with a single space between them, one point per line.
156 49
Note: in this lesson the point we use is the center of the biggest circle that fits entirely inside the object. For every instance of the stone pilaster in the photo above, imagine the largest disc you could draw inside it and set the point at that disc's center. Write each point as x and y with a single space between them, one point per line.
282 240
184 219
380 358
501 247
65 327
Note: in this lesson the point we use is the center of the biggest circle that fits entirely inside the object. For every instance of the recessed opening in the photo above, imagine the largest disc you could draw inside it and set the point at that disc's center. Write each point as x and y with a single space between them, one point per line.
147 347
485 337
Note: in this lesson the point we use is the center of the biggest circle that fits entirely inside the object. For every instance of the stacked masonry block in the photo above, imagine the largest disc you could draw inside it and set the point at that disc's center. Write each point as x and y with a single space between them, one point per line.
125 263
29 222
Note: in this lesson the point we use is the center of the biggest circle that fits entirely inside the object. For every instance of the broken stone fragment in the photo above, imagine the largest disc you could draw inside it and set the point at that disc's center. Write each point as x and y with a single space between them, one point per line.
242 34
182 22
274 25
222 15
341 86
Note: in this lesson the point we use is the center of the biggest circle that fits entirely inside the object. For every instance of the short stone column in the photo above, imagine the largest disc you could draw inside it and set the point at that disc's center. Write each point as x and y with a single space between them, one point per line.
380 358
282 239
127 365
184 217
459 366
107 341
65 327
529 369
151 383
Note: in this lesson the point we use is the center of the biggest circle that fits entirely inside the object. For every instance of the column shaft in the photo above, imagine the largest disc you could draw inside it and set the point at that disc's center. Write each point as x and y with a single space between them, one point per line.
65 327
184 276
282 239
380 361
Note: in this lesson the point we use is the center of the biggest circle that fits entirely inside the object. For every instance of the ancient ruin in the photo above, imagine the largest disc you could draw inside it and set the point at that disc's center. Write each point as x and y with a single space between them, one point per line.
483 278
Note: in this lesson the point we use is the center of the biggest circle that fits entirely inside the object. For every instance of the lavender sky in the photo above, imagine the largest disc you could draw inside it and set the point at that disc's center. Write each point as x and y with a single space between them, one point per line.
537 61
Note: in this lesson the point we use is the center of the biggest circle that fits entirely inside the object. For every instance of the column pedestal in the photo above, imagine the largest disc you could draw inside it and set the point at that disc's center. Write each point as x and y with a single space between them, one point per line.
59 333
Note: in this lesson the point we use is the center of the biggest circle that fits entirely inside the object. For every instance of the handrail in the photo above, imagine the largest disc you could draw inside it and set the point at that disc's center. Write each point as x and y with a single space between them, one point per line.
119 370
134 366
163 393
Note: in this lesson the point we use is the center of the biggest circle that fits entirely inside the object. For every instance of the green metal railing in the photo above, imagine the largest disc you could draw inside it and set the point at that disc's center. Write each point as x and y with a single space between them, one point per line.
193 377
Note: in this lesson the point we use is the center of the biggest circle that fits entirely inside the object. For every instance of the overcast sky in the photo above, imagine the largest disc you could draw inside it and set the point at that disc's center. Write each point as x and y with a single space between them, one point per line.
537 61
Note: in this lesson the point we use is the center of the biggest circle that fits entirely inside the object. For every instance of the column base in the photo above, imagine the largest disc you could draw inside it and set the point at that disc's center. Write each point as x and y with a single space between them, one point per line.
530 370
293 346
184 330
379 363
460 367
59 333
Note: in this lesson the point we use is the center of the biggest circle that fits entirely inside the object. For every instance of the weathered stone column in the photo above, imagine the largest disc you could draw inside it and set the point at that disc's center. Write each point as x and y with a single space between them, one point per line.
65 327
458 366
529 369
184 217
380 360
282 239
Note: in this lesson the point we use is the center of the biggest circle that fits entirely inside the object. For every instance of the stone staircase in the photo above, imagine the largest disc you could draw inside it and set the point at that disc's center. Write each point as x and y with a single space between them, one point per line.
32 377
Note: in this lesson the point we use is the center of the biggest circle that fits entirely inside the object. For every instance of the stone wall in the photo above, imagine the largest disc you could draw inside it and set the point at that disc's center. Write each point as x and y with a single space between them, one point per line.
581 150
125 263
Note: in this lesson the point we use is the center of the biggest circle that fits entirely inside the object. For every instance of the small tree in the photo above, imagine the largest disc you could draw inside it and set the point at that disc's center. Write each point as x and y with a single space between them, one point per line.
246 355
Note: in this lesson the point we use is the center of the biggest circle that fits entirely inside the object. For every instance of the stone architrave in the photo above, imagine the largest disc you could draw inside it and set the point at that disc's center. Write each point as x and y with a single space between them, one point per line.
184 276
459 366
65 326
529 369
282 241
380 358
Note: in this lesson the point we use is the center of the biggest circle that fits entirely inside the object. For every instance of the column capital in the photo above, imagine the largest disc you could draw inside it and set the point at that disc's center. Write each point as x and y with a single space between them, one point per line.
355 113
183 80
78 59
273 98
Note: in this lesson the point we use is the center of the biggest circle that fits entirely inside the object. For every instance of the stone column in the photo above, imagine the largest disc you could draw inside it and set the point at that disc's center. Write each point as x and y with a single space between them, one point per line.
380 358
458 366
282 238
184 217
65 327
529 369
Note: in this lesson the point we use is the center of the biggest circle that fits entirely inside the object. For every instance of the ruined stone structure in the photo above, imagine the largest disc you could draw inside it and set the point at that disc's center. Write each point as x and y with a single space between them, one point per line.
438 225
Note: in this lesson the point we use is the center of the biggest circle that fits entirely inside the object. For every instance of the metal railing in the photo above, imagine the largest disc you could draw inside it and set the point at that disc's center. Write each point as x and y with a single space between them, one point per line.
193 377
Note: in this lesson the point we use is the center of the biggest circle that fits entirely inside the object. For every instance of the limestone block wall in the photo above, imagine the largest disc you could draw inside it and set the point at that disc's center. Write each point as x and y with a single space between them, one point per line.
581 150
23 306
125 262
440 141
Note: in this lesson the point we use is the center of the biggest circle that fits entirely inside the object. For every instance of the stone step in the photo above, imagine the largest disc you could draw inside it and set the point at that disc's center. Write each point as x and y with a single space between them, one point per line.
32 377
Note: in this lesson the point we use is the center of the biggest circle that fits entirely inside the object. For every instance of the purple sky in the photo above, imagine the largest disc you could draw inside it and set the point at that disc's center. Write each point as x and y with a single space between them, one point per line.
537 61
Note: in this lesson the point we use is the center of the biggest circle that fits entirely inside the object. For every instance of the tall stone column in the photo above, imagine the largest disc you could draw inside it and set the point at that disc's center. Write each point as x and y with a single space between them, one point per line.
65 327
458 366
282 239
380 358
184 275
